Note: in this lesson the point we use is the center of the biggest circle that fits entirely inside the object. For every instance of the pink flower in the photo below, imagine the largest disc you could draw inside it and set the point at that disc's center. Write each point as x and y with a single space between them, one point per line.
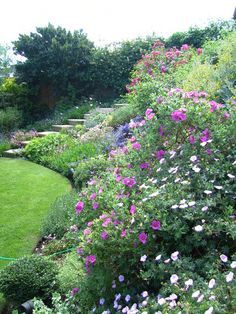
132 139
79 207
123 233
226 115
104 235
132 209
93 196
90 259
148 112
199 51
160 154
106 222
163 69
185 47
156 225
178 115
87 231
129 182
143 237
136 146
74 291
206 136
151 116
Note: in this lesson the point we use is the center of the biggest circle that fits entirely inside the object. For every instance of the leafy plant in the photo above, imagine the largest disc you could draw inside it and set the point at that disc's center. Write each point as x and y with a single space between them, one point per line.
10 119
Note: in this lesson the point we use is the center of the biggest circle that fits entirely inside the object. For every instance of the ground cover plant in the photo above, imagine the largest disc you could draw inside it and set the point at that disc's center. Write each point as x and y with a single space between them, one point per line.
156 233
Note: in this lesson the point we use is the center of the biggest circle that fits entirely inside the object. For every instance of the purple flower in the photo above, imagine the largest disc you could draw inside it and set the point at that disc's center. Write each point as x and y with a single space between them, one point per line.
79 207
136 146
206 136
143 237
160 154
121 278
178 115
123 233
90 259
132 209
191 139
156 225
74 291
161 131
104 235
93 196
95 205
129 182
144 165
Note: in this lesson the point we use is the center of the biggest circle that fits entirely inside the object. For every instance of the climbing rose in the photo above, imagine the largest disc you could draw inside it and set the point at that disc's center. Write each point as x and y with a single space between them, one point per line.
129 182
178 115
79 207
156 225
143 237
148 112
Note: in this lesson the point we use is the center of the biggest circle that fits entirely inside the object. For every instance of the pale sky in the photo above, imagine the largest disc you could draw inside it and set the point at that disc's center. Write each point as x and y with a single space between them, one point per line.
107 21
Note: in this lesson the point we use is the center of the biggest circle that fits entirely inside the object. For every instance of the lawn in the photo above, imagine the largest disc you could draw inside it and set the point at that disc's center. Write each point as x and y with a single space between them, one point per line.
26 192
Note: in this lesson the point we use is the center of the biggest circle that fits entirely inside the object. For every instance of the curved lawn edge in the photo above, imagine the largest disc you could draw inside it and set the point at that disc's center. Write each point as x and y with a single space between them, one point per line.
27 191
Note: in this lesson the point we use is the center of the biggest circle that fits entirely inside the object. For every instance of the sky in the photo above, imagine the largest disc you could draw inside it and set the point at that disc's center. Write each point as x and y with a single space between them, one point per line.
107 21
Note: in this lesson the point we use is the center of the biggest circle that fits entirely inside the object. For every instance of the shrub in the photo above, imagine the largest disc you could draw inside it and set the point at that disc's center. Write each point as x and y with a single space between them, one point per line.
4 145
58 220
121 116
46 146
87 169
94 119
28 277
10 119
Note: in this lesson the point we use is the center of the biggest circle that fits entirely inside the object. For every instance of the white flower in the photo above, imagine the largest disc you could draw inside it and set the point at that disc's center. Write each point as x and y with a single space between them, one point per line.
196 169
144 294
172 304
230 176
193 158
233 264
218 187
158 170
212 283
183 206
125 309
191 203
224 258
210 310
174 279
172 297
189 282
167 261
204 209
200 298
158 257
177 180
161 301
102 301
143 258
196 294
229 277
212 297
198 228
182 201
208 192
127 298
174 256
174 206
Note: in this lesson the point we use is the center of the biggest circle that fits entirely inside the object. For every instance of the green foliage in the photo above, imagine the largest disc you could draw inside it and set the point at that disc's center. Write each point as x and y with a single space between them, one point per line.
196 36
5 62
94 119
87 169
58 220
28 277
10 119
121 116
4 144
70 273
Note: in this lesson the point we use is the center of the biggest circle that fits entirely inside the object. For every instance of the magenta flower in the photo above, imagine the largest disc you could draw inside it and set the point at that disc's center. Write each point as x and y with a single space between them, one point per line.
79 207
191 139
129 182
74 291
136 146
144 165
160 154
143 237
87 231
199 51
148 112
90 259
156 225
151 116
104 235
106 222
132 209
163 69
206 136
185 47
132 139
178 115
95 205
123 233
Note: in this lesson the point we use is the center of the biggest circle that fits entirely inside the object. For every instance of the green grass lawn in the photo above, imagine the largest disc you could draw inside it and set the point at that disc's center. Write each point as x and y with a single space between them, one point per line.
26 192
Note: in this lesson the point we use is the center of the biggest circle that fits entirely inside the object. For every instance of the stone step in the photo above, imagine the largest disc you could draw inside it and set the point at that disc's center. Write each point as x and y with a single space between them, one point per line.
60 127
76 121
120 105
87 115
45 133
12 153
24 143
104 110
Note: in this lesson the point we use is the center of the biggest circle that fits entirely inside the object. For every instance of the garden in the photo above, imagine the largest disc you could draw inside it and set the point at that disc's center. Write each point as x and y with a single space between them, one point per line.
149 223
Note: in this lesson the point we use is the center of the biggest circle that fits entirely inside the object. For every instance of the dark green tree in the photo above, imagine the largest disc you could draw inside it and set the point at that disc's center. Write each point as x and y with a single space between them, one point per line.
56 62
